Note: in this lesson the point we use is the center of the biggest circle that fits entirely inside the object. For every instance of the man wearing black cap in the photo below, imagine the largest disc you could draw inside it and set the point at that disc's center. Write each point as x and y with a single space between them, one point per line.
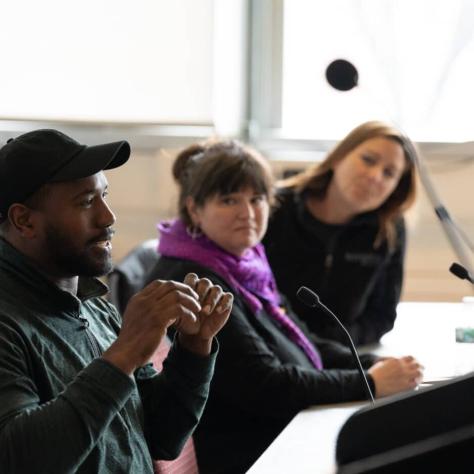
75 395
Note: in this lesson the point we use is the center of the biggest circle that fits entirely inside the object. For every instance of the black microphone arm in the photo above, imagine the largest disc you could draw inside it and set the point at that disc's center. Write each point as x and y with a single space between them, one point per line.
458 239
311 299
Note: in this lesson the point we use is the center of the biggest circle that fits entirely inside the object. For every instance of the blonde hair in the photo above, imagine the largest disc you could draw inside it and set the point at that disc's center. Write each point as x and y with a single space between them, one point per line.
315 180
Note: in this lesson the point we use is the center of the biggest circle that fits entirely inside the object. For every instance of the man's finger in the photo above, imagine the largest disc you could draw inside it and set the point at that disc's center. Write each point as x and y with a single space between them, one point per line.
191 279
211 299
225 303
160 288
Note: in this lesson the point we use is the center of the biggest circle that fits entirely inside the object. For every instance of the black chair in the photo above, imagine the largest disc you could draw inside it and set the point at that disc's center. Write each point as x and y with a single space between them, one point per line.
128 276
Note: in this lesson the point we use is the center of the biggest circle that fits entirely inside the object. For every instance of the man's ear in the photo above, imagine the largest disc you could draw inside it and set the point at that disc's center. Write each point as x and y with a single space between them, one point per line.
21 219
191 207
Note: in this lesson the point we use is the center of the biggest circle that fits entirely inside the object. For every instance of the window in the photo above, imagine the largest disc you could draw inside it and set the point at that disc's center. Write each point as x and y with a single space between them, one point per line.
107 60
414 60
157 71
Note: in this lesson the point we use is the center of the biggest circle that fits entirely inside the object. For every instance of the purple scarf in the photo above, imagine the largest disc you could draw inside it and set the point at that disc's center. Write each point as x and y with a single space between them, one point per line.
250 275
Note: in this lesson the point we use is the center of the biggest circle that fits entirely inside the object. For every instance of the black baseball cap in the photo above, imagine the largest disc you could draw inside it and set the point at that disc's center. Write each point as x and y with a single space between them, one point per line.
43 156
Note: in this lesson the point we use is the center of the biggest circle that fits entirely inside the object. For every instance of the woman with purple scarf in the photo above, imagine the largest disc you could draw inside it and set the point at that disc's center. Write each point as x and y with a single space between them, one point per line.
270 366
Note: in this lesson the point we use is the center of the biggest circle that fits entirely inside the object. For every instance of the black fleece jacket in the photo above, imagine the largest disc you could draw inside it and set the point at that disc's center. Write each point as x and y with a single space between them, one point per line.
261 380
359 283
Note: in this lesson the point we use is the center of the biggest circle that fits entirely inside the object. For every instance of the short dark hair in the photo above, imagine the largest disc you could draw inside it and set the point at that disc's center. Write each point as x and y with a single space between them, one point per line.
35 201
4 227
219 167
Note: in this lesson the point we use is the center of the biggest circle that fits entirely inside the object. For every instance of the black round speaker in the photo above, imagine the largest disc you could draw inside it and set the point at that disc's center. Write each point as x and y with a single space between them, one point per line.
342 75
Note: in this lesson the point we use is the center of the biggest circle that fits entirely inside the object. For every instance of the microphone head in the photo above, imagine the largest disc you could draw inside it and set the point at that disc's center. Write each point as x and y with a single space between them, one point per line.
342 75
308 297
459 271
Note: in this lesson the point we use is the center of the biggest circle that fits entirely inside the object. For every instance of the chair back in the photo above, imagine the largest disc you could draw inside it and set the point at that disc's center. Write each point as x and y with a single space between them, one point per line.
186 462
128 276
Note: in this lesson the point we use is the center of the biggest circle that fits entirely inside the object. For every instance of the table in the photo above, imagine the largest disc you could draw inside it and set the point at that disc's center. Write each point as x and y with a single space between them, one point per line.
424 330
311 438
428 331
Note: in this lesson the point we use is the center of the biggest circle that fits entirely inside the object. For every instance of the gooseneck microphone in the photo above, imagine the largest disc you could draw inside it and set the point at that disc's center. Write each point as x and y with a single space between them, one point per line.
460 272
311 299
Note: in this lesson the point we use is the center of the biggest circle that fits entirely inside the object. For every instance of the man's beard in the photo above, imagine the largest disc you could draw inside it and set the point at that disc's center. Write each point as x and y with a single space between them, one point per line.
73 262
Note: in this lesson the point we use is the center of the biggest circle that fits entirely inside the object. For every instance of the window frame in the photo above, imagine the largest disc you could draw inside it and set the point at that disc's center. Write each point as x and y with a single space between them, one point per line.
265 111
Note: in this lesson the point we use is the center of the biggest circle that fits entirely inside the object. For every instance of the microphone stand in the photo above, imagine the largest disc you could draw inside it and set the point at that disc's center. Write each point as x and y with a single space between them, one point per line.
311 299
451 230
353 350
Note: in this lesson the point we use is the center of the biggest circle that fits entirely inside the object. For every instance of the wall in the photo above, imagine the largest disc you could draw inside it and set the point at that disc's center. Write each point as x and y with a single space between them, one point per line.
143 192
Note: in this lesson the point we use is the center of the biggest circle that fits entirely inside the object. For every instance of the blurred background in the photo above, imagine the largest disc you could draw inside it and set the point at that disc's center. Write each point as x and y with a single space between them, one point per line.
165 73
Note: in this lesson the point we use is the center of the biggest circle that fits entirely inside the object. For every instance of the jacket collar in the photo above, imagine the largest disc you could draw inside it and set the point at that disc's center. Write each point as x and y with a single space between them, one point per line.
367 218
23 269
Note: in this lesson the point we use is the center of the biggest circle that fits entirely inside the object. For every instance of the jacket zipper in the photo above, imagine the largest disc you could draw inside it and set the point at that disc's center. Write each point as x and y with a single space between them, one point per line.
90 335
329 261
98 353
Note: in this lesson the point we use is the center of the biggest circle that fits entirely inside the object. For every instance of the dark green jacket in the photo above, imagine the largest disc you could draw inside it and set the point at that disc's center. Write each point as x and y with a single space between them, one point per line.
63 409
